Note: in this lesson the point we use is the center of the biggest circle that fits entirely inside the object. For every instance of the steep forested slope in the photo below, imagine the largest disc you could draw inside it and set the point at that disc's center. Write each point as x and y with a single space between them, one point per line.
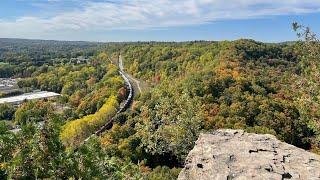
210 85
194 87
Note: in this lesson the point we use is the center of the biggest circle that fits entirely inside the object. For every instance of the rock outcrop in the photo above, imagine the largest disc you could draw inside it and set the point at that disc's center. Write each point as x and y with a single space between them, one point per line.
234 154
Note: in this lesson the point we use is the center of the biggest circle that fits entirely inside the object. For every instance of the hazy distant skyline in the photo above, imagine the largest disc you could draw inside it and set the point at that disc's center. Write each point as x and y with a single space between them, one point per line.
159 20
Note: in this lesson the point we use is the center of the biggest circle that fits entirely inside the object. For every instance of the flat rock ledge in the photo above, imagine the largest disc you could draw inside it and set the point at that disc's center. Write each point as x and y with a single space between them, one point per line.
234 154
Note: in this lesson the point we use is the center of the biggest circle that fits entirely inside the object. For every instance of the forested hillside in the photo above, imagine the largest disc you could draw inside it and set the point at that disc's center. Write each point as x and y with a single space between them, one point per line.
242 84
21 57
193 87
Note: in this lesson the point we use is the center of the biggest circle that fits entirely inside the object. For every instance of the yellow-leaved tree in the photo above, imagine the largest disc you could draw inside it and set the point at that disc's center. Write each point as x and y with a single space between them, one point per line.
75 132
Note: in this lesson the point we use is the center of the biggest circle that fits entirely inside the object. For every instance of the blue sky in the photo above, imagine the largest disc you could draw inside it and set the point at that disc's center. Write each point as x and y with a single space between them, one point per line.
157 20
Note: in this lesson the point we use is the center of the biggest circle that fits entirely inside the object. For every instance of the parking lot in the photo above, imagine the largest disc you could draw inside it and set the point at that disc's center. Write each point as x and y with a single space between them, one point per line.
8 85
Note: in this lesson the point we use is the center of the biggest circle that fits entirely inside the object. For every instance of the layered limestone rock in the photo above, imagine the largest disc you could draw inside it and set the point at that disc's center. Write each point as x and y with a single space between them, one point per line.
234 154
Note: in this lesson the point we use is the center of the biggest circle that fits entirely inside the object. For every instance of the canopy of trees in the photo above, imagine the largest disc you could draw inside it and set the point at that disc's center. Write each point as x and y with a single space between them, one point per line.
194 87
74 132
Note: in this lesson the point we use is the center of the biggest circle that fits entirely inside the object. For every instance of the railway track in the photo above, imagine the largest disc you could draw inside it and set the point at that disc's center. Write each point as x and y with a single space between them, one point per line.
123 107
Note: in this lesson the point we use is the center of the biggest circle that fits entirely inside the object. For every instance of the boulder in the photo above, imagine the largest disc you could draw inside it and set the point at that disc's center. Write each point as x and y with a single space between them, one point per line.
234 154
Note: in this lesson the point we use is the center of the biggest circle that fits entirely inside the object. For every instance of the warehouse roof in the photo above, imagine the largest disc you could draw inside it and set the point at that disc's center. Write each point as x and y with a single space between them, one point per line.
28 96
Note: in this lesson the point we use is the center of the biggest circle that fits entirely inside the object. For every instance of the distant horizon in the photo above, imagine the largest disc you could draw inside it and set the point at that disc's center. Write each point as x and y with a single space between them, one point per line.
103 42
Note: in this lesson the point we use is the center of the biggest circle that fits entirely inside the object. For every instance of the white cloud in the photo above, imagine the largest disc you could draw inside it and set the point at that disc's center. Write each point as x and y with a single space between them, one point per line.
146 14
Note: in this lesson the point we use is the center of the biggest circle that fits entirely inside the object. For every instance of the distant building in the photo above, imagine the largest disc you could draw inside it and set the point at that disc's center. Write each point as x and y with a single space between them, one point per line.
8 82
8 85
28 96
79 60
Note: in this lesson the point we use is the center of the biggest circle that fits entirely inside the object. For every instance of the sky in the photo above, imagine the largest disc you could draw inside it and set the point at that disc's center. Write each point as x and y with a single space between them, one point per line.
156 20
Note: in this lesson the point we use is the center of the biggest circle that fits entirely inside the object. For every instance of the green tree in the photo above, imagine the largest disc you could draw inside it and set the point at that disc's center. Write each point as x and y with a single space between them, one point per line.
33 111
6 111
308 84
171 126
8 143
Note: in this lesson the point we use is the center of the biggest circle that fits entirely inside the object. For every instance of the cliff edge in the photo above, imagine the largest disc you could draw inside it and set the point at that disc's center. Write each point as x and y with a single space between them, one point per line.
234 154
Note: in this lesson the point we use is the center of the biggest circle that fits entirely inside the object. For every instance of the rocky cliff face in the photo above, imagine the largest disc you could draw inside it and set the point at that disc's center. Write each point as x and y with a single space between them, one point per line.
234 154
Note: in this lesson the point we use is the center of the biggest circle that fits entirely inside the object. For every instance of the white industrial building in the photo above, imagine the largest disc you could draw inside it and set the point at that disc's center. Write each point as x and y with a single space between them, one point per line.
28 96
